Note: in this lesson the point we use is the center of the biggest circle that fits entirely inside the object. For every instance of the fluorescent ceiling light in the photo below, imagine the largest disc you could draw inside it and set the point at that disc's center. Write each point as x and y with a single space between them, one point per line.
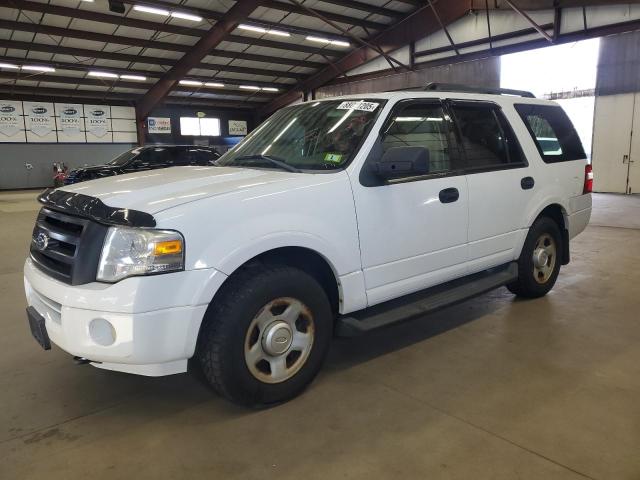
270 89
249 87
140 78
90 1
253 28
214 84
337 43
38 68
8 65
157 11
93 73
186 16
193 83
279 33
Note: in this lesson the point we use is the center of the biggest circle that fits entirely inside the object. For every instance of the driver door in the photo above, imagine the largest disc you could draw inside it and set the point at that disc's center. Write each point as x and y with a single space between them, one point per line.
413 231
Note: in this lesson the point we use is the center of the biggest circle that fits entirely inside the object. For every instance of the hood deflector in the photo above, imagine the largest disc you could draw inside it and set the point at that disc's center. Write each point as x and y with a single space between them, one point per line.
93 208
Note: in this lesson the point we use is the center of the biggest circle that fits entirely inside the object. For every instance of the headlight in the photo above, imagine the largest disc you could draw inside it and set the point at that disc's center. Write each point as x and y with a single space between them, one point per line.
136 251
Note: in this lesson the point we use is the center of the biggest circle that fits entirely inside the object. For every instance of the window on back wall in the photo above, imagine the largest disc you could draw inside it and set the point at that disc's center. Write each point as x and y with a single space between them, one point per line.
200 127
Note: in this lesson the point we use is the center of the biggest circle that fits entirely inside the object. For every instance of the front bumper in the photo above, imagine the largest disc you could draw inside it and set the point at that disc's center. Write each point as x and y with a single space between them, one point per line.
143 325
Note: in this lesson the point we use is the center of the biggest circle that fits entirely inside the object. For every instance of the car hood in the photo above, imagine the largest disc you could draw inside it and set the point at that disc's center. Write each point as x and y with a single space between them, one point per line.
154 190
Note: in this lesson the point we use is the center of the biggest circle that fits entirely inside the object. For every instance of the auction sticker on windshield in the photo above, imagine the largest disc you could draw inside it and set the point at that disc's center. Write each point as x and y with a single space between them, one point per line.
358 105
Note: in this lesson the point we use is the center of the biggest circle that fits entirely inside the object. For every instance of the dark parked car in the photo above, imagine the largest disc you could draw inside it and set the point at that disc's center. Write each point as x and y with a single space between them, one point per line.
146 158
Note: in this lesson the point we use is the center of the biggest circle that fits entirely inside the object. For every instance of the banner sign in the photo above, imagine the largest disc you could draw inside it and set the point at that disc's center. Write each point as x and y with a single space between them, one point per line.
159 125
97 122
39 118
70 118
237 127
10 119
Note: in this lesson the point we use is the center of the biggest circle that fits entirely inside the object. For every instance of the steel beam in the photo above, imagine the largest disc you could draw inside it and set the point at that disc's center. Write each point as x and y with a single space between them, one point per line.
524 15
155 26
127 71
288 7
416 25
126 57
217 34
215 15
61 95
108 82
144 43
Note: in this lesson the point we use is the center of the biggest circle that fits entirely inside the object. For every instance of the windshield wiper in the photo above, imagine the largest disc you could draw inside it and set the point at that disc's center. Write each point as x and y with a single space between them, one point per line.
275 161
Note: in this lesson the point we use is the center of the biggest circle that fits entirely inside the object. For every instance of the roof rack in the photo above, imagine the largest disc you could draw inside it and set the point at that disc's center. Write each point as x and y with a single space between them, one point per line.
453 87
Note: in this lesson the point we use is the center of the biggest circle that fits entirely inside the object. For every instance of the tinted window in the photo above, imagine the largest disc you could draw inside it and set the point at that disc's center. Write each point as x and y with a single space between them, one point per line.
203 157
486 137
552 131
421 125
180 156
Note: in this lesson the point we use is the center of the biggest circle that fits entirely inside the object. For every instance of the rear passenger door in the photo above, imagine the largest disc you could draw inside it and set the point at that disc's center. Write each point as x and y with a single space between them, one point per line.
499 180
413 231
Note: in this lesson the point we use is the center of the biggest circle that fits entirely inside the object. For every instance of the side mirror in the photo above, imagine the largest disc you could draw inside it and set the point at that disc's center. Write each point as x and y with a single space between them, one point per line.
398 162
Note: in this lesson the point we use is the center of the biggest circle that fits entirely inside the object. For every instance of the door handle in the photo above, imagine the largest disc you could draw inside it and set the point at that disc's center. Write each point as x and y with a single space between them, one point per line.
449 195
527 183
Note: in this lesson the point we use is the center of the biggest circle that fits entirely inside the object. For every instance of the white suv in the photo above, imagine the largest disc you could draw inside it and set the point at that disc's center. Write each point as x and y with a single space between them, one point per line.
333 217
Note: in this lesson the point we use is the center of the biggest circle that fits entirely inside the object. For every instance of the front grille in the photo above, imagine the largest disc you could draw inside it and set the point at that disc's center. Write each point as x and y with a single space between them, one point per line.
67 247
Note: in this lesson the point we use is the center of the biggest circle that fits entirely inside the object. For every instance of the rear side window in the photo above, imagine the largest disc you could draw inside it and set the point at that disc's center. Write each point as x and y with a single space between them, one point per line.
486 137
552 131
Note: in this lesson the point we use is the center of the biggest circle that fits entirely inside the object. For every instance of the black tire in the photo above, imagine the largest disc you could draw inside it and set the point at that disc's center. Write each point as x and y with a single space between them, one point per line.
530 282
224 333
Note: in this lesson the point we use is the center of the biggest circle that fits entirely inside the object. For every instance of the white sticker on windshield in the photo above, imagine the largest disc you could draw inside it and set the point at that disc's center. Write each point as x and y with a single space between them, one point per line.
358 105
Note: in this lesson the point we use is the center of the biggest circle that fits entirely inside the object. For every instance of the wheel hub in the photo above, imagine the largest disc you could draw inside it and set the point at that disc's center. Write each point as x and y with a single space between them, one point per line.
540 258
277 338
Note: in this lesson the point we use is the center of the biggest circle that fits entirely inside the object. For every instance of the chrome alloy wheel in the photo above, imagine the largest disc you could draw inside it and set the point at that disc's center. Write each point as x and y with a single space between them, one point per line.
544 258
279 340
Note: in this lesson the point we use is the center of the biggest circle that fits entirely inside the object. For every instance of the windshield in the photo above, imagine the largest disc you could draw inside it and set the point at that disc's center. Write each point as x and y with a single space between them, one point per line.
310 136
125 157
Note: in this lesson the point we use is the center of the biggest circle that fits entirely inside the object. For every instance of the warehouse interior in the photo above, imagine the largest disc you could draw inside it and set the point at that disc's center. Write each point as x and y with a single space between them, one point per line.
493 387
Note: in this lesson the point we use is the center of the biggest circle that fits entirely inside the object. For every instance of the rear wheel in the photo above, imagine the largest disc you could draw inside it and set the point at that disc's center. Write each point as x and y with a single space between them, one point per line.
540 260
265 335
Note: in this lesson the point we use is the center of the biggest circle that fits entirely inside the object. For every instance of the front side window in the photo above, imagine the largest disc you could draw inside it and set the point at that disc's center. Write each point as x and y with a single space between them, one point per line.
552 131
309 136
421 125
486 137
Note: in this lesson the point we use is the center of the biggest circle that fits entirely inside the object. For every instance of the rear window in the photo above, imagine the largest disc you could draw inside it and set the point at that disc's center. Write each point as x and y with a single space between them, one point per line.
552 131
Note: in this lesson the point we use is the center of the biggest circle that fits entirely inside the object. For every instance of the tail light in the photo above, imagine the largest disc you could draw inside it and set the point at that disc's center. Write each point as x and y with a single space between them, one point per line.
588 179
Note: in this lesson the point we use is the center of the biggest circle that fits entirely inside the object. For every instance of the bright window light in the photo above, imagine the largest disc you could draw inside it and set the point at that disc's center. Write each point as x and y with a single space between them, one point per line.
186 16
200 127
192 83
38 68
9 65
156 11
249 87
93 73
138 78
209 127
214 84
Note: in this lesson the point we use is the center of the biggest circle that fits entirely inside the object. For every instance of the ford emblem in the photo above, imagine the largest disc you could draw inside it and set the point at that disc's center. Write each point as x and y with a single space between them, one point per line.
41 241
98 113
39 110
7 109
70 111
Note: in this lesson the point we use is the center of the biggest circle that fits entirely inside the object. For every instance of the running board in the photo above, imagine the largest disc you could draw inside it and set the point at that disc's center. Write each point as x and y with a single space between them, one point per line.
425 301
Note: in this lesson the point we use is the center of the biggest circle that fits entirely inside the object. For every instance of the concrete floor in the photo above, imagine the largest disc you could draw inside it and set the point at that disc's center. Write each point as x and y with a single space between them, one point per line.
492 388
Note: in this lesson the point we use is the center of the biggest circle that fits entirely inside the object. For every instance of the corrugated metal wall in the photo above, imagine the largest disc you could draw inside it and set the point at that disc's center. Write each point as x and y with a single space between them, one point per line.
619 64
485 72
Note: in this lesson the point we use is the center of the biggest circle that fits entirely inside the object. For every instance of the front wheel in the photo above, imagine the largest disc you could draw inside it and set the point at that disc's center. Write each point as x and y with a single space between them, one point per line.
540 260
265 335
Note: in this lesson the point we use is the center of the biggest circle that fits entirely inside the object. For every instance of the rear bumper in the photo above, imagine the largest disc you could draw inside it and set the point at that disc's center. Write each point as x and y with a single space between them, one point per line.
581 214
129 336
